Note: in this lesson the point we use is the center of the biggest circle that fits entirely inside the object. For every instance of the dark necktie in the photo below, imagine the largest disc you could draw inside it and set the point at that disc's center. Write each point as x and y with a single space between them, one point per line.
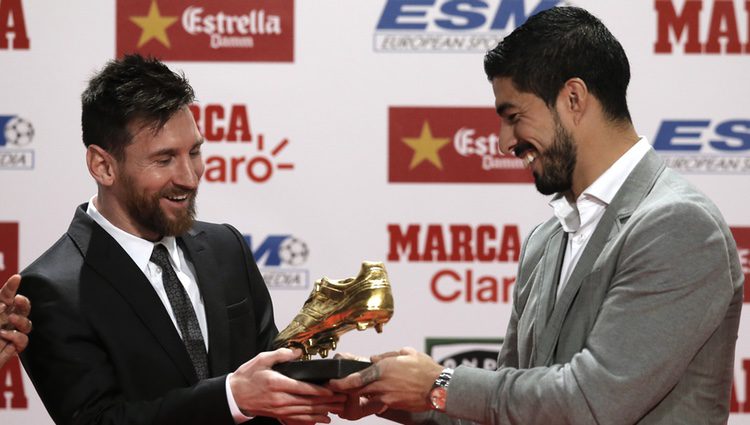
183 312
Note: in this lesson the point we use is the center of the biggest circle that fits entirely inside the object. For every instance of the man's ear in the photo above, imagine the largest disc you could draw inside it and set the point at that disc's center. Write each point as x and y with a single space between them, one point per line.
102 166
574 99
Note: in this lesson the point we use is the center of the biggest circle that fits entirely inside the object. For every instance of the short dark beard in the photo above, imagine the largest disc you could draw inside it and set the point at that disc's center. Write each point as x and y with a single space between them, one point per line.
147 213
558 163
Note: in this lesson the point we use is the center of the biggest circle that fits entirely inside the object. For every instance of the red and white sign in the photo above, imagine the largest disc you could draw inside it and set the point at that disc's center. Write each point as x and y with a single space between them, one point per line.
742 237
13 35
8 250
449 145
203 30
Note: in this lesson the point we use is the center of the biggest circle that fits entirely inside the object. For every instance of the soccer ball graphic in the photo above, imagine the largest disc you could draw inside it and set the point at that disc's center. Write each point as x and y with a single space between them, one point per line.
19 132
293 252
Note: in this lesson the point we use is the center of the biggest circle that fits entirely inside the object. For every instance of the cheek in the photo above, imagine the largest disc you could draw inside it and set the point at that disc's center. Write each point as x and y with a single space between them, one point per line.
199 166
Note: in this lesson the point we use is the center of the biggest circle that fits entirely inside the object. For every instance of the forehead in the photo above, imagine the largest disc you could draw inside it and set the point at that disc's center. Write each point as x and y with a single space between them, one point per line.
180 128
507 95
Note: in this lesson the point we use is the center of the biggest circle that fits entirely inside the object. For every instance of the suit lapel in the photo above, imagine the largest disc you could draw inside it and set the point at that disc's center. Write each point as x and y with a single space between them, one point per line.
213 300
549 276
634 189
104 254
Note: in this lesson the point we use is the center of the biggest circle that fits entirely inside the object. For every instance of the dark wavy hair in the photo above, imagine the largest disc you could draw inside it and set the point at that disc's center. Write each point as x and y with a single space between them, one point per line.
562 43
131 90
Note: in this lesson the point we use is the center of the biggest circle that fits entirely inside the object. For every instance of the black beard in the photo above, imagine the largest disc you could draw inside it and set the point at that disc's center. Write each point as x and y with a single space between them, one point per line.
149 215
557 164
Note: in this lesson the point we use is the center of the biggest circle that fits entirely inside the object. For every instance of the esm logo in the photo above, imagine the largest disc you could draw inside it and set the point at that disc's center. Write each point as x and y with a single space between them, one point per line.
280 259
705 145
451 25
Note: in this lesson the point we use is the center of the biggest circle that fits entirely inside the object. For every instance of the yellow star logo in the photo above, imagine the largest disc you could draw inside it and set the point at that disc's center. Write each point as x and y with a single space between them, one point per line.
154 25
426 147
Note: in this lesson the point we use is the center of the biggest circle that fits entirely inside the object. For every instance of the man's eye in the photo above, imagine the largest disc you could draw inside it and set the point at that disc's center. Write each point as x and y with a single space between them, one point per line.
163 161
196 152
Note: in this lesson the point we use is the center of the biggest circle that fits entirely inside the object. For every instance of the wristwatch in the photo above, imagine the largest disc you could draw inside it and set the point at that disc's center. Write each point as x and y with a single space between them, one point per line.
439 392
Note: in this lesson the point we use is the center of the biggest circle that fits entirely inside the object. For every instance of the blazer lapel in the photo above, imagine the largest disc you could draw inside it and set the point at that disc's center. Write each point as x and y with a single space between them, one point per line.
213 301
552 260
634 189
104 254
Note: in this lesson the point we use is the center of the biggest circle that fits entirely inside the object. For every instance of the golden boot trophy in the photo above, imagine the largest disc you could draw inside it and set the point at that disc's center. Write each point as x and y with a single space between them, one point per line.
333 308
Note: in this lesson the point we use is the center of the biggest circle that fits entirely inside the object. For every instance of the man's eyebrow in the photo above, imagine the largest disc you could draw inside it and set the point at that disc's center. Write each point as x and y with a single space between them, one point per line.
501 108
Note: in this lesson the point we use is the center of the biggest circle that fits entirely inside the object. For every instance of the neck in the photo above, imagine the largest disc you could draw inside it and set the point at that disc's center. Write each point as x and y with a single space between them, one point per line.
597 151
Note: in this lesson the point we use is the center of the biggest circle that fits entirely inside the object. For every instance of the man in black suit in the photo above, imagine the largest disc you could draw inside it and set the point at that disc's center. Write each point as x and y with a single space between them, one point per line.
143 315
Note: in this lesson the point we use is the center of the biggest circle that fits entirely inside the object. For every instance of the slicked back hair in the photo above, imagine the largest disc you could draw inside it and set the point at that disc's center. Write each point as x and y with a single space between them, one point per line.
562 43
127 91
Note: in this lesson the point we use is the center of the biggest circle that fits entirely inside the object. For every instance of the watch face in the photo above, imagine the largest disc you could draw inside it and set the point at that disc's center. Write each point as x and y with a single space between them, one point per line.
437 397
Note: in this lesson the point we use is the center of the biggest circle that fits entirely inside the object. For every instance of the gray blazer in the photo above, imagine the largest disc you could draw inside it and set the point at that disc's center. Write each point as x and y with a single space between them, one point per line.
644 331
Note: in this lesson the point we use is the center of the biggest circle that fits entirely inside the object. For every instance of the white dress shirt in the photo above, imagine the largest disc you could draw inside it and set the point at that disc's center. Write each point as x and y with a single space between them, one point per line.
139 250
580 218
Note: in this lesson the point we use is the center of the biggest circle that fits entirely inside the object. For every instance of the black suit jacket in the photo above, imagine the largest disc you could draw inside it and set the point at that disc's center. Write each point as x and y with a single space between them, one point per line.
104 350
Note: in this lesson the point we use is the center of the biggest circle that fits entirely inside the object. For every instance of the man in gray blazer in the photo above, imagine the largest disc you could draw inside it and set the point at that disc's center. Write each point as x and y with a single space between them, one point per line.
627 302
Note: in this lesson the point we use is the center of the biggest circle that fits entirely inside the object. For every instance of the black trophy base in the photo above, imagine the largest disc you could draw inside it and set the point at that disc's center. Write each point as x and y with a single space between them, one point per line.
320 371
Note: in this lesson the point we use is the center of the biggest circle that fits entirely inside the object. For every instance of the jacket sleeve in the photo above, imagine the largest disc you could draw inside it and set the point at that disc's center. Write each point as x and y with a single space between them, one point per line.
675 277
77 381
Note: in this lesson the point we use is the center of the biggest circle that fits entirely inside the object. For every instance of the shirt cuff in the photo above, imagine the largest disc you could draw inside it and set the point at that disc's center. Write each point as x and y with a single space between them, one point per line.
237 415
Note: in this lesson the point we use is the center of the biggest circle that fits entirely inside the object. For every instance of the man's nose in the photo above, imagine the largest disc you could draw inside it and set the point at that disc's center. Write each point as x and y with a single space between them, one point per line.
507 139
186 174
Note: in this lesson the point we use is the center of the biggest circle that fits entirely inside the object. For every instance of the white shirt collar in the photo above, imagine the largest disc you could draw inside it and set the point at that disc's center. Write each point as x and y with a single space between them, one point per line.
603 189
137 248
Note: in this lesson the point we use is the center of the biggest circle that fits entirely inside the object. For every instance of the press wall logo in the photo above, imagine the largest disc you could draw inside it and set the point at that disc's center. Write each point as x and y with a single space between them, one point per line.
13 35
742 238
233 152
12 392
737 405
707 146
207 30
8 250
17 134
280 259
476 246
449 145
472 352
445 26
702 26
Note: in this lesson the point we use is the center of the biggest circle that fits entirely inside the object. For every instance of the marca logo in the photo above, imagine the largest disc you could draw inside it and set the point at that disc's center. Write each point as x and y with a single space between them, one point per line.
13 34
207 30
8 251
244 155
17 133
451 25
736 405
724 19
742 238
450 145
12 392
484 243
279 258
472 352
705 146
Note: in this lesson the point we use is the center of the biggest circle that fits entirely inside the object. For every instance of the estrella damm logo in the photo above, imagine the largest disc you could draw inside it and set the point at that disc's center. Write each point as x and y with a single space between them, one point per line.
207 30
449 145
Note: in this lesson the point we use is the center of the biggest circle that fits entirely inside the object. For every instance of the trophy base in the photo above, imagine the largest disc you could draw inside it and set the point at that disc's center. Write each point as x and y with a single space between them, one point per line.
320 371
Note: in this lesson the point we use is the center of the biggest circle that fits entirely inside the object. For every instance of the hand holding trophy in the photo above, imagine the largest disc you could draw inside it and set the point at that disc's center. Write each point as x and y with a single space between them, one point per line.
333 308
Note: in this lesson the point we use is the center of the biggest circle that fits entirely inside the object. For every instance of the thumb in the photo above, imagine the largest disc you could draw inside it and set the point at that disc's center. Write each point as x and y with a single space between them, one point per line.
282 355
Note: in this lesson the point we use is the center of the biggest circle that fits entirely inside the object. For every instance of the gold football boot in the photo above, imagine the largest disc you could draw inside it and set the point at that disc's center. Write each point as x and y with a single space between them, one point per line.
338 306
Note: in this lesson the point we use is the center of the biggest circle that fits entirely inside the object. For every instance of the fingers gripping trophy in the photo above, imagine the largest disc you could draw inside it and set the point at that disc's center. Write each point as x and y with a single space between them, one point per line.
333 308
